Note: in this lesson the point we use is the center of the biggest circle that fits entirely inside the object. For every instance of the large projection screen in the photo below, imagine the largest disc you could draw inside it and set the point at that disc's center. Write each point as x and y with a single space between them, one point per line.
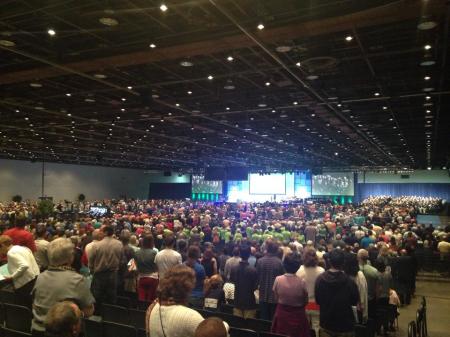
200 185
267 184
333 183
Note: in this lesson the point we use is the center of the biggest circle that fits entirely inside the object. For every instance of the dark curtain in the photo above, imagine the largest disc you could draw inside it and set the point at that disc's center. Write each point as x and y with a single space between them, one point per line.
396 190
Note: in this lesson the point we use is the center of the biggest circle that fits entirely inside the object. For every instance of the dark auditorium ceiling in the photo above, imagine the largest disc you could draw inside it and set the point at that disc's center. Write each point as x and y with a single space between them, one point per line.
325 83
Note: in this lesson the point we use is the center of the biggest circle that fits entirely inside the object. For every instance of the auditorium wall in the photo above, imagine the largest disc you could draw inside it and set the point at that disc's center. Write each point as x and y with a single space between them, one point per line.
417 176
64 181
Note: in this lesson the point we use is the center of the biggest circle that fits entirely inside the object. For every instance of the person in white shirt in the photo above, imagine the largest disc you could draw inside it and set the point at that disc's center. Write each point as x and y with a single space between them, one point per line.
168 257
22 268
97 235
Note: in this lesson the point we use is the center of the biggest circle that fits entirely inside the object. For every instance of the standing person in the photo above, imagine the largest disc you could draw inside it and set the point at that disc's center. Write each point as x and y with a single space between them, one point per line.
209 262
291 296
268 268
371 275
41 247
310 233
231 263
19 235
351 268
385 285
170 316
214 293
147 270
167 257
22 268
336 294
59 282
196 298
309 272
104 263
245 279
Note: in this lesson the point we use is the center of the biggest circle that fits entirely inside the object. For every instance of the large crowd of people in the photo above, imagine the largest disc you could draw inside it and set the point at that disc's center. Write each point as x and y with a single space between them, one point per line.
302 265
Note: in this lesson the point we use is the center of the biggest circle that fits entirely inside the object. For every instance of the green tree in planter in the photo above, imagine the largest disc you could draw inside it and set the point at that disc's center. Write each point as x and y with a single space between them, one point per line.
45 208
17 198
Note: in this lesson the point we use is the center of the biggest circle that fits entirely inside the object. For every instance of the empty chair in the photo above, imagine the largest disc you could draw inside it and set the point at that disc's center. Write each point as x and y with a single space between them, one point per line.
137 318
17 317
227 308
360 330
92 328
123 302
7 296
115 313
237 332
111 329
259 325
270 334
234 321
412 332
5 332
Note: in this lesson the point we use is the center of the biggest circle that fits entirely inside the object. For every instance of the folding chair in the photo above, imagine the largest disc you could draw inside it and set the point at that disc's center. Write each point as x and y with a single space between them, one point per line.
111 329
92 328
237 332
17 317
5 332
115 313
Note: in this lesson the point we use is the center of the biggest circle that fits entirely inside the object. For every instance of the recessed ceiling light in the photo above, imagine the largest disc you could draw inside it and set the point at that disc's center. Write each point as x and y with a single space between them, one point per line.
227 108
312 77
51 32
427 78
35 85
390 119
385 108
273 110
295 103
108 21
348 38
123 99
177 104
89 100
427 98
122 109
155 96
210 77
260 26
283 49
229 87
429 168
336 153
262 105
267 84
68 94
298 64
339 105
163 7
186 64
189 92
152 45
427 47
427 89
376 94
101 76
69 115
230 58
129 87
426 24
7 43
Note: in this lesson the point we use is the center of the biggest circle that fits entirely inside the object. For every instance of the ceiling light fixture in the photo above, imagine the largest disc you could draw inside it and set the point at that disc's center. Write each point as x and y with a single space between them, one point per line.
51 32
427 78
260 26
427 47
348 38
163 7
210 77
35 85
123 99
189 92
298 64
267 84
427 98
152 45
230 58
108 21
295 103
7 43
68 94
129 87
376 94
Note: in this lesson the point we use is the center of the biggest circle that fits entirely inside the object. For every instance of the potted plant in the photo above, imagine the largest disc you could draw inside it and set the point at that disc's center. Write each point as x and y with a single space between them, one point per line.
17 198
45 208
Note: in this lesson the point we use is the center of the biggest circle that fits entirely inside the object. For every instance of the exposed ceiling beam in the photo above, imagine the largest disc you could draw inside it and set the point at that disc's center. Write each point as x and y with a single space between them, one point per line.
395 12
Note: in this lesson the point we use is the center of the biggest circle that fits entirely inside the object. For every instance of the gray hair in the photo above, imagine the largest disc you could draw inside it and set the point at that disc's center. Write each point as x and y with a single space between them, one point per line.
60 252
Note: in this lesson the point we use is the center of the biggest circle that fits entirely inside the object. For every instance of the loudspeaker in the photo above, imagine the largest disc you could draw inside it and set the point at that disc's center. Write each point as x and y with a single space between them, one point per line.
167 173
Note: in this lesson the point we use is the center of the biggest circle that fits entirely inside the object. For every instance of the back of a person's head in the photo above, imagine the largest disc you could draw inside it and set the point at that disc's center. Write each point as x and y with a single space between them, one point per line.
244 251
60 252
337 258
363 255
41 230
169 241
147 241
310 258
211 327
20 221
380 265
63 320
5 240
193 252
351 266
108 230
236 251
177 284
291 263
271 247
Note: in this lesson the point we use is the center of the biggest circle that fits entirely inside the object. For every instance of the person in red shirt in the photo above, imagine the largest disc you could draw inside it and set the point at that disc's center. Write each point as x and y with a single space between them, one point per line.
20 236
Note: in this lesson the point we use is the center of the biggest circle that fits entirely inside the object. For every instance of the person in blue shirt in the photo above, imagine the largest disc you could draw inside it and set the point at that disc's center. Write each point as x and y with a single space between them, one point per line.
196 297
367 240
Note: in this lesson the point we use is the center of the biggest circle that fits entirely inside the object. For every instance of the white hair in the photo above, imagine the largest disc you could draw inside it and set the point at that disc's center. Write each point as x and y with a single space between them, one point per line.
60 252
